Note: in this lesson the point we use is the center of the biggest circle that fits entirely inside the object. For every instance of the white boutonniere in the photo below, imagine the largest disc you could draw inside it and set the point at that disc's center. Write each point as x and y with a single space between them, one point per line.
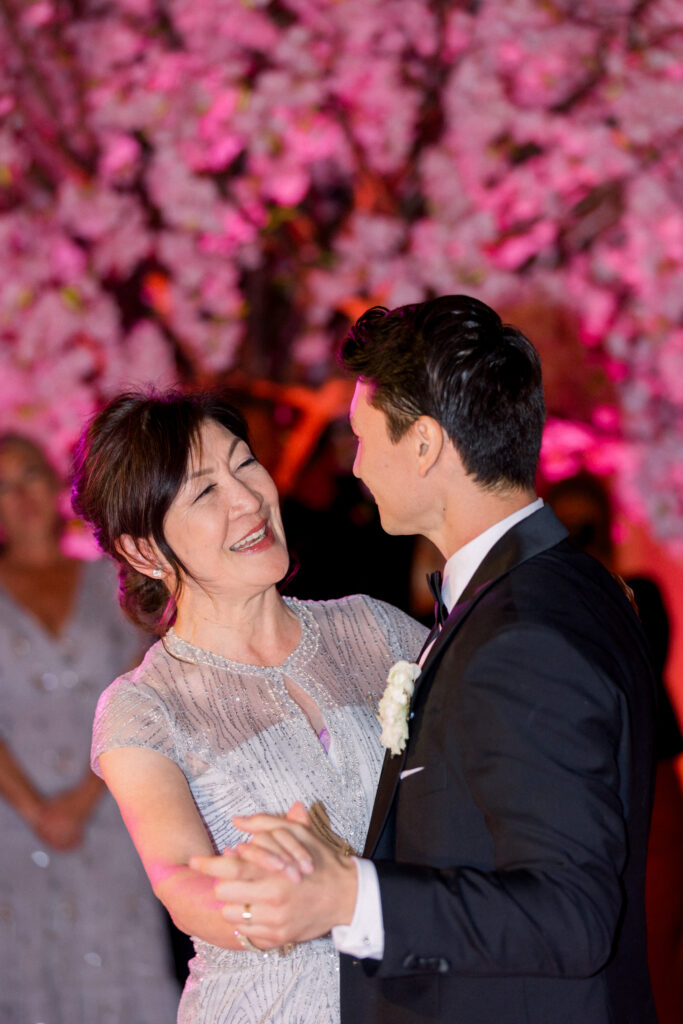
395 705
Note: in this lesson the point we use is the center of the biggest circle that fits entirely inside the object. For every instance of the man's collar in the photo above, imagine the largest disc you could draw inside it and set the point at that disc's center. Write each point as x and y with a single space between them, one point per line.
462 565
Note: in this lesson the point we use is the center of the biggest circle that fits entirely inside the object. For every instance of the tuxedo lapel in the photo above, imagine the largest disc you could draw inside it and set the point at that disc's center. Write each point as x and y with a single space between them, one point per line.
536 533
386 787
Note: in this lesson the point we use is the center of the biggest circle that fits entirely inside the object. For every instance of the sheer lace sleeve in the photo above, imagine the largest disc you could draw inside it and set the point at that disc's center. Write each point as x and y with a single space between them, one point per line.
405 635
131 714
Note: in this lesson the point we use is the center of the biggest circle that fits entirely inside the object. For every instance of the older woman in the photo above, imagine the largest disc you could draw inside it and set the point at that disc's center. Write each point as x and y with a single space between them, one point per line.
81 937
249 701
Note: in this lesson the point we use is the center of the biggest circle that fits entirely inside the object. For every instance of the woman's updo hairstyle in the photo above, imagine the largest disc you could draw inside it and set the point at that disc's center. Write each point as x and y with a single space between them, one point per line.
130 462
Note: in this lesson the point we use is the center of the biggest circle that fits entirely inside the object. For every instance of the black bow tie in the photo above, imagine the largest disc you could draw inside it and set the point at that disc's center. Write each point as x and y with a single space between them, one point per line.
440 609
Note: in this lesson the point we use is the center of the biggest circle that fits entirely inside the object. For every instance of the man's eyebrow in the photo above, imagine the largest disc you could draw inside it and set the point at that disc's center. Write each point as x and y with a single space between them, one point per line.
204 470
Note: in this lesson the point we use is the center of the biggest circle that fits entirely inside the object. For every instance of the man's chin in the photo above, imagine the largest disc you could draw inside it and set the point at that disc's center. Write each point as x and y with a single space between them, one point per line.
390 527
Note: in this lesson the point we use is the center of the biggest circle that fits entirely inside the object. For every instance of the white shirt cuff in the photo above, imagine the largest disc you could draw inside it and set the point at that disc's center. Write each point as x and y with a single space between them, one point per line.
364 937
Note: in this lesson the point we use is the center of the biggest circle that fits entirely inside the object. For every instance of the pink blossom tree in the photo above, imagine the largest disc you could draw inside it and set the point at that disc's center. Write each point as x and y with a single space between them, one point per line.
187 188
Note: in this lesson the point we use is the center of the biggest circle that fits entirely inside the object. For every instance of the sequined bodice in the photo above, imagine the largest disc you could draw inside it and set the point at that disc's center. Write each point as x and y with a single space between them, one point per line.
244 744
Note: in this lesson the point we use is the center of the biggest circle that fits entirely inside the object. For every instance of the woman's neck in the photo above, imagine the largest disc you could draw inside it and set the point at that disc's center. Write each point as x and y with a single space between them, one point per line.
259 629
44 582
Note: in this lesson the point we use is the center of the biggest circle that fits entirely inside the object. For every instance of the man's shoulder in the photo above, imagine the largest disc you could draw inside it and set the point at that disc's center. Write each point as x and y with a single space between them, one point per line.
559 591
562 573
554 572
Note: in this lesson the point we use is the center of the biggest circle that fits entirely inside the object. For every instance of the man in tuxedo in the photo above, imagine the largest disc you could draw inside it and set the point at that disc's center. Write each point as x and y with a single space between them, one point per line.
503 877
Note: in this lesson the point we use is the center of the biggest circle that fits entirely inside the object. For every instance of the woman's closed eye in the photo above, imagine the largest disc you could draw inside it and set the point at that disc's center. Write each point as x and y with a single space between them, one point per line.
203 493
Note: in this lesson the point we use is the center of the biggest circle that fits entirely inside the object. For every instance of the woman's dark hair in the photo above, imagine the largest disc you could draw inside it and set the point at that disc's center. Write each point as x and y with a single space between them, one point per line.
130 463
453 359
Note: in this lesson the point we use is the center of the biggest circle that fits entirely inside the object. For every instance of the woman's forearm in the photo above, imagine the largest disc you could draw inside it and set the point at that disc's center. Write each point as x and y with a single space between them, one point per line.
161 816
190 901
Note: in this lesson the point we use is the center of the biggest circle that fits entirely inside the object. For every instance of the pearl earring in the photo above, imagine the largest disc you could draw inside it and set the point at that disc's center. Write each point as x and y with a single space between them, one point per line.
157 572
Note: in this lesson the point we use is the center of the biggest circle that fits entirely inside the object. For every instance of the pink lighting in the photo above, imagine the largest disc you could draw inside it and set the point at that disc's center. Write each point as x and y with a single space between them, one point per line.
222 188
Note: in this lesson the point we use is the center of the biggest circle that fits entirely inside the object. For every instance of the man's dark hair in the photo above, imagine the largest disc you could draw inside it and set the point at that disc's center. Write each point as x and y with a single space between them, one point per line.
453 359
130 463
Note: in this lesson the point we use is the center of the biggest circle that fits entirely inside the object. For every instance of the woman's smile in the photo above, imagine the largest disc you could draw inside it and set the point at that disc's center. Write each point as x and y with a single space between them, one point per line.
258 539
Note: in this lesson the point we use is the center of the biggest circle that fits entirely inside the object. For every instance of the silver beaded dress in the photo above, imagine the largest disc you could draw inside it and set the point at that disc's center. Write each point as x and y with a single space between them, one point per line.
82 937
245 746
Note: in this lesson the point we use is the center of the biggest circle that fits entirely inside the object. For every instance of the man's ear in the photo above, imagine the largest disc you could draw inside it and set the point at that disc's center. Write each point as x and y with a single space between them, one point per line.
142 555
429 440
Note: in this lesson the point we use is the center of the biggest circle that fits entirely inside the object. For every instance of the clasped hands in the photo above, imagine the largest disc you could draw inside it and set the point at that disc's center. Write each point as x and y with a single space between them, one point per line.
60 820
285 885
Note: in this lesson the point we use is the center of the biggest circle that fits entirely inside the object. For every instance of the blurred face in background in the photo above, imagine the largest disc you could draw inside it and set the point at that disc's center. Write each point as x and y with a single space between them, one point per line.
28 494
587 522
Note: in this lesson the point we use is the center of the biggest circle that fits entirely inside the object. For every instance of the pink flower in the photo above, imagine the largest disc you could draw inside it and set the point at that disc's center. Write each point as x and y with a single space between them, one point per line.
516 249
120 156
38 14
287 186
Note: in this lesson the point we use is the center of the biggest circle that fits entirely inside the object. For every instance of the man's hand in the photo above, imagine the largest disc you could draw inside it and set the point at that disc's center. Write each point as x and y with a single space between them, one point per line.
290 884
277 849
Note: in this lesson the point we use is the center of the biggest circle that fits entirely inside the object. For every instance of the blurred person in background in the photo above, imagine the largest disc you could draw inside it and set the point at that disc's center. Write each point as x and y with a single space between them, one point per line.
248 699
583 504
329 510
82 939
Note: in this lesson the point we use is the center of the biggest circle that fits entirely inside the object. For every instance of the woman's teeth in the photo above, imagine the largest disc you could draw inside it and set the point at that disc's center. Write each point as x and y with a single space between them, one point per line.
250 540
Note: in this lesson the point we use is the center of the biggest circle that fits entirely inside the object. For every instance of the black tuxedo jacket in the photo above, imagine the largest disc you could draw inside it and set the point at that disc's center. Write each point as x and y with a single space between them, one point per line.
512 863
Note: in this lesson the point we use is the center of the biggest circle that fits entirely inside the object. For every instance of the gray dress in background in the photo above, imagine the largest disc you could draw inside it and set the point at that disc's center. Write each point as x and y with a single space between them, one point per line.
82 937
245 746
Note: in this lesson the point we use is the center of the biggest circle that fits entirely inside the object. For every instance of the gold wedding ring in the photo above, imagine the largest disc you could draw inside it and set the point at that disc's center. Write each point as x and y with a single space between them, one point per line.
246 913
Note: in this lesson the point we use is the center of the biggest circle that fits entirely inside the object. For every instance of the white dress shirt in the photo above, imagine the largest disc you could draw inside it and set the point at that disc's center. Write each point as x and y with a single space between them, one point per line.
364 937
